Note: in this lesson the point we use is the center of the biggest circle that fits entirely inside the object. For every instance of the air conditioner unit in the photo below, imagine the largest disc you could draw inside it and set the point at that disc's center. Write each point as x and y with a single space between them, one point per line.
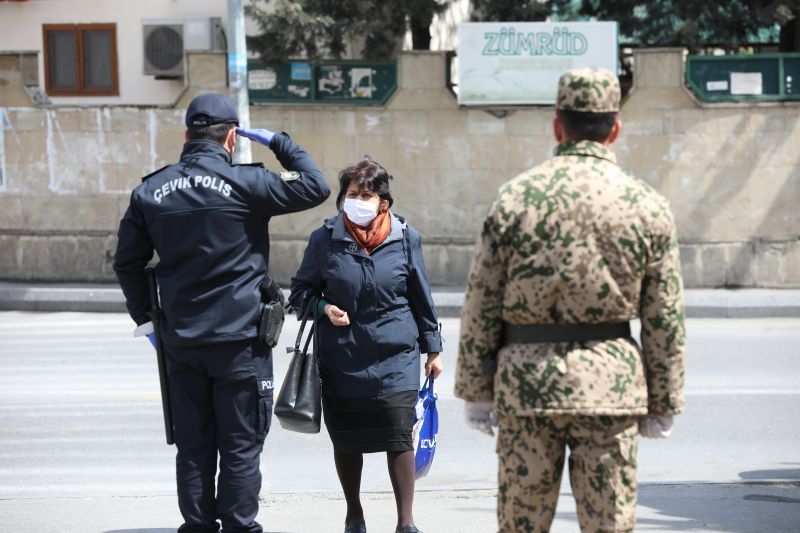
167 40
163 50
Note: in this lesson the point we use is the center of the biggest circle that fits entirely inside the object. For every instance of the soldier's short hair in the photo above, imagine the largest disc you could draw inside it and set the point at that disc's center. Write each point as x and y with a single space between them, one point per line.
368 175
583 126
215 132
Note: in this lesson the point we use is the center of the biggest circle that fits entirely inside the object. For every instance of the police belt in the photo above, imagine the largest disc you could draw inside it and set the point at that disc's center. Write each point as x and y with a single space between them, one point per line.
537 333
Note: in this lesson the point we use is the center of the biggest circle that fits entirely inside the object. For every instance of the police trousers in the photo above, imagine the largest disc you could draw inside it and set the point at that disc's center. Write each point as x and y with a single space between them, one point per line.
602 471
221 401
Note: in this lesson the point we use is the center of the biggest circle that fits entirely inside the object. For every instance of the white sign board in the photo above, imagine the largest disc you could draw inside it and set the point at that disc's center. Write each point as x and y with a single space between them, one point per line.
261 80
717 85
746 83
520 62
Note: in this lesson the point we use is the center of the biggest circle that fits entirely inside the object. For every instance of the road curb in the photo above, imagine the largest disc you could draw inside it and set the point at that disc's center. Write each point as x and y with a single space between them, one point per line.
80 298
106 298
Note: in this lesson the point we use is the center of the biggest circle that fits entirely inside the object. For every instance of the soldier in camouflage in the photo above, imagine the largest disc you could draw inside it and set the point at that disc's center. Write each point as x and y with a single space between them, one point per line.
571 251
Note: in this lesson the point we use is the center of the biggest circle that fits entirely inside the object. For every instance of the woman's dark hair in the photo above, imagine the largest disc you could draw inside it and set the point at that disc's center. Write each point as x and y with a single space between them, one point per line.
582 126
215 132
367 175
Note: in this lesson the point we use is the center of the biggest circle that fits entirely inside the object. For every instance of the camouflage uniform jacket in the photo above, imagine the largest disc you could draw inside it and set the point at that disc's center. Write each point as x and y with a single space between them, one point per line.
575 240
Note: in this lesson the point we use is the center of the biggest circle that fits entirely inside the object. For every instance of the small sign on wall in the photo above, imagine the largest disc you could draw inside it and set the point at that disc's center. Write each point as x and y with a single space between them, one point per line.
301 71
261 79
717 85
747 83
520 63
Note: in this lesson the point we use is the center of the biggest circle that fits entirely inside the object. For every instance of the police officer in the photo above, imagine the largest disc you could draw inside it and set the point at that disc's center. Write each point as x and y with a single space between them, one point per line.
207 219
571 251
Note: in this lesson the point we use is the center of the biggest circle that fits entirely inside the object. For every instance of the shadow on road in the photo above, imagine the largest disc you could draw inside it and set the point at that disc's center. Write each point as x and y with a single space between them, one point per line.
143 530
731 507
791 474
154 530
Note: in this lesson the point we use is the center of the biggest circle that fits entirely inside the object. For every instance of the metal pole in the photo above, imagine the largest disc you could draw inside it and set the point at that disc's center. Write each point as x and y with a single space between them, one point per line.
237 75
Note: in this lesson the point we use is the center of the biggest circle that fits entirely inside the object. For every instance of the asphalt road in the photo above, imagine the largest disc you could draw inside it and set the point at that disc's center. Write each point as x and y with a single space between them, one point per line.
80 418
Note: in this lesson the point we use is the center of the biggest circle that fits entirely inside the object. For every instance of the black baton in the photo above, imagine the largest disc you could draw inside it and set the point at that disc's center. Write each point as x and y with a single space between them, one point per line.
155 317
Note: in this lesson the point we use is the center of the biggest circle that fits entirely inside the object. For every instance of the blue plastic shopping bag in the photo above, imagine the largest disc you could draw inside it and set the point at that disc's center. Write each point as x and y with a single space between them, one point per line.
426 429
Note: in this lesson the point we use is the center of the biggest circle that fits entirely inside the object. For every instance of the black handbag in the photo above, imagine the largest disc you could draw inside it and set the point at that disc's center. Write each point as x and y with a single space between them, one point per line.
299 403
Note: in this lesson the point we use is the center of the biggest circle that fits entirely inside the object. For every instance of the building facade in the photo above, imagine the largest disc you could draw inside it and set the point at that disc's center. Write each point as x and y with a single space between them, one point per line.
90 52
68 162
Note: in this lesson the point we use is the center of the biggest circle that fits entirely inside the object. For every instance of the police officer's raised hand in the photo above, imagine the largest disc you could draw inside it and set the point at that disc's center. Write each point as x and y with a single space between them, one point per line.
655 427
337 316
433 366
259 135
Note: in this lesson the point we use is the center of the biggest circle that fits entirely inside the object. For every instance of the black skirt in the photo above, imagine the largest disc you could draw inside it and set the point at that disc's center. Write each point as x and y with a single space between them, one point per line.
367 425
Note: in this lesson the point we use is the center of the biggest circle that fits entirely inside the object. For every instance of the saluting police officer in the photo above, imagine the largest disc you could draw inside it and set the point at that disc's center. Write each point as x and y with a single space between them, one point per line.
207 220
571 251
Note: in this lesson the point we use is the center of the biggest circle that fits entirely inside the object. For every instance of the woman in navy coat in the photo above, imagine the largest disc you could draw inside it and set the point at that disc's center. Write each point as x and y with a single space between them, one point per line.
366 264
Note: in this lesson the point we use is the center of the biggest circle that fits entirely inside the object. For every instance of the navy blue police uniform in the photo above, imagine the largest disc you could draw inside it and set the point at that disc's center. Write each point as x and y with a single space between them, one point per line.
207 219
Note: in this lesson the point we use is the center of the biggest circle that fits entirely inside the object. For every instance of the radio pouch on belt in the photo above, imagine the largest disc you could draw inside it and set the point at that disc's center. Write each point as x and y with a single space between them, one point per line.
272 313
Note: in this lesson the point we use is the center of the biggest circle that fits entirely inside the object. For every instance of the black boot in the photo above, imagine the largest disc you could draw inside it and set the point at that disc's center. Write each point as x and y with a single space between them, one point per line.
410 528
356 526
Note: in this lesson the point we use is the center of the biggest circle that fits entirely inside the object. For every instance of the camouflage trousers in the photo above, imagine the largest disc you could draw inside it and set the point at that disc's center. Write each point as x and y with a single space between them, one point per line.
602 471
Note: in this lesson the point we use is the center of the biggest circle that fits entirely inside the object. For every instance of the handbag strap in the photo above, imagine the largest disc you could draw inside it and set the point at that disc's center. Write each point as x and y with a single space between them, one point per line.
315 332
311 307
427 387
310 337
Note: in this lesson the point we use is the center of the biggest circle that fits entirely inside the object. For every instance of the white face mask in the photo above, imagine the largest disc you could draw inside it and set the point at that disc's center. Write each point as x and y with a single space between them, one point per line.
360 212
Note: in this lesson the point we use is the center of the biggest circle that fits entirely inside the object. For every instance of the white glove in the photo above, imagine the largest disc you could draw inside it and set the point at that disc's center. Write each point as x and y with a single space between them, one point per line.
655 427
479 416
144 329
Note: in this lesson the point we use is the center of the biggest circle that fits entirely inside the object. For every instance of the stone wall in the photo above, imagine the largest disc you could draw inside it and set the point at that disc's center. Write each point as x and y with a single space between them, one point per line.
731 172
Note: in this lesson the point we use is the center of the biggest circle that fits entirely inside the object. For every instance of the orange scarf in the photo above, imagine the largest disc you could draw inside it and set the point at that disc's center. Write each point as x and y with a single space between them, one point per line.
373 235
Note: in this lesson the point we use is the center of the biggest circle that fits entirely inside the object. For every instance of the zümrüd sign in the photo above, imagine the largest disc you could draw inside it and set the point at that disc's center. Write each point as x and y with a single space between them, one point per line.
520 63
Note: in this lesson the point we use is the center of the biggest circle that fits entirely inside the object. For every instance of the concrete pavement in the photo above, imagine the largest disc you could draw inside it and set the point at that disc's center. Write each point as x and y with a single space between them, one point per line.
700 303
82 447
662 507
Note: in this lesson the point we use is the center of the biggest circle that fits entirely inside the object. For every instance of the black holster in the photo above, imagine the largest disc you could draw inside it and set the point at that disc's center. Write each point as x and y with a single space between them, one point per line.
272 313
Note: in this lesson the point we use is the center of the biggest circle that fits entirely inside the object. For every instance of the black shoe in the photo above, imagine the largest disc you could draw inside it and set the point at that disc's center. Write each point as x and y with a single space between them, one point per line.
356 526
410 528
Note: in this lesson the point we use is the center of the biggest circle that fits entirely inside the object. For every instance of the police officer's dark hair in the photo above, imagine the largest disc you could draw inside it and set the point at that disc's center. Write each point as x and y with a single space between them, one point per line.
368 175
215 132
582 126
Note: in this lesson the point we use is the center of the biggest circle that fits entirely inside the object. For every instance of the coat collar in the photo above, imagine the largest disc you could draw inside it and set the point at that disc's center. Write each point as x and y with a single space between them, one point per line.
204 149
586 148
340 233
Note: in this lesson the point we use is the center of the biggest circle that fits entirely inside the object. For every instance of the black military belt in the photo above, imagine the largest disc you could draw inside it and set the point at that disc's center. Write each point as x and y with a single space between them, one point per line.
536 333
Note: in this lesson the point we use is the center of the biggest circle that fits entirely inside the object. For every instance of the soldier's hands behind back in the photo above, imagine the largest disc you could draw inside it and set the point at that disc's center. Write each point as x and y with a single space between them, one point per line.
259 135
479 416
337 316
655 427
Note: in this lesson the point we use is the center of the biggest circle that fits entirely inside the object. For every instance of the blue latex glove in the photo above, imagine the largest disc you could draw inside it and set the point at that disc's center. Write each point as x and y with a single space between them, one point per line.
152 338
259 135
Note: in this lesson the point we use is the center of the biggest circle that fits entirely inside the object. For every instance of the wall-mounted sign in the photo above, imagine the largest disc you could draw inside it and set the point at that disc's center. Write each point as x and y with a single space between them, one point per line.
520 62
735 78
331 82
261 79
747 83
301 71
